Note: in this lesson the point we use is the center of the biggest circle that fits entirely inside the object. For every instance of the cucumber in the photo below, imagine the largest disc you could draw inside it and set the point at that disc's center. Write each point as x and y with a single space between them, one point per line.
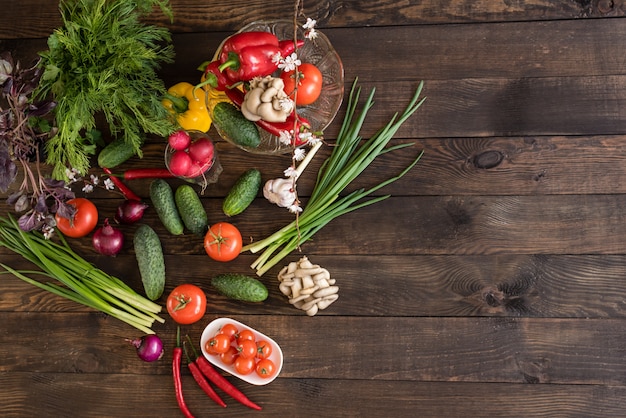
190 209
234 125
149 254
242 193
240 287
163 201
115 153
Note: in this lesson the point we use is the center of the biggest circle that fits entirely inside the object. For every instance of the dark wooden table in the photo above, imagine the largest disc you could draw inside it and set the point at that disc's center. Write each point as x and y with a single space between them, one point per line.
492 283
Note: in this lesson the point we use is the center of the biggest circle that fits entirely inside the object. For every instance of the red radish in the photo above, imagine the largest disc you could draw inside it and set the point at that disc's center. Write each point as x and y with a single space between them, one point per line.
180 163
201 150
196 169
179 140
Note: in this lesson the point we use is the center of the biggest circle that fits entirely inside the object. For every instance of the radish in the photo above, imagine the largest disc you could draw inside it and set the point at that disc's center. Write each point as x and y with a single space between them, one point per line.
201 150
196 169
180 163
179 140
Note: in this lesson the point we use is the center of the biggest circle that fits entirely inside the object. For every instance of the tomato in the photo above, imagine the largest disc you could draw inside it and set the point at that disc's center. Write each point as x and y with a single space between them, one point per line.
218 344
223 242
229 356
84 221
247 349
230 330
265 368
186 304
309 87
245 335
263 349
245 365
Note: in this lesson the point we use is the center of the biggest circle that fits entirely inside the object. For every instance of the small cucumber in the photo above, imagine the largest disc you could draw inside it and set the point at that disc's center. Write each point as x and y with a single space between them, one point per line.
190 209
242 193
149 254
164 203
240 287
234 125
115 153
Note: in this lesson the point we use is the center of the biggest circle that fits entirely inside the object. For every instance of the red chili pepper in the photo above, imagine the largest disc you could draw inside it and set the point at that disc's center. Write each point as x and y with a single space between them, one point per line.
287 47
204 385
178 386
147 173
221 382
124 189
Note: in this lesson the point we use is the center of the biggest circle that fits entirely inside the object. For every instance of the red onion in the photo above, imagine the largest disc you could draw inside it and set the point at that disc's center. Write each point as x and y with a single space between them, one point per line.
149 347
108 240
130 211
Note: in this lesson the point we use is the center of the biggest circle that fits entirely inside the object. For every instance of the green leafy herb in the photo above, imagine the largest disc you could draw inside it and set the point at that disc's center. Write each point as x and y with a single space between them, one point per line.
103 60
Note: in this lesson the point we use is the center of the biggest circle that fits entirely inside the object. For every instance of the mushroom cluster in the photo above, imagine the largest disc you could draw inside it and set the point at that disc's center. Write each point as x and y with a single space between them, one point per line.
308 286
267 100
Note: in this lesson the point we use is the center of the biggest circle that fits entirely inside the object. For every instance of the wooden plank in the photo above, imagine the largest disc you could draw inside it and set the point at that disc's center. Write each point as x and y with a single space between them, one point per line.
550 286
47 394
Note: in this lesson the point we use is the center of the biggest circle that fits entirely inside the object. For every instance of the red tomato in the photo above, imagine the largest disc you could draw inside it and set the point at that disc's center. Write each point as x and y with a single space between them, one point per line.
245 335
229 356
230 330
223 241
84 221
265 368
186 304
218 344
245 365
247 349
263 349
309 86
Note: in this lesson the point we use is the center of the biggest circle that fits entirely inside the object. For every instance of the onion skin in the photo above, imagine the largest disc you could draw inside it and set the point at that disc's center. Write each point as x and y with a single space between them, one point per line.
108 240
130 211
149 347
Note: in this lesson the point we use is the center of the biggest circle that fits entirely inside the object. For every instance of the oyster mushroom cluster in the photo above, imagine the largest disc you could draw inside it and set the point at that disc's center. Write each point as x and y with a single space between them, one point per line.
308 286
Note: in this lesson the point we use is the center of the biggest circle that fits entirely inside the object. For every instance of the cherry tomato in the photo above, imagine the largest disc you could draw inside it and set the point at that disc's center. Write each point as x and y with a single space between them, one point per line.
186 304
229 356
84 221
223 242
309 86
263 349
247 349
265 368
245 365
218 344
245 335
230 330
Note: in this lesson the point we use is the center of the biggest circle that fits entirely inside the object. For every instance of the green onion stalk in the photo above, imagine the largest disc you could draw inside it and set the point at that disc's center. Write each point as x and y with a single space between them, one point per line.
349 158
78 280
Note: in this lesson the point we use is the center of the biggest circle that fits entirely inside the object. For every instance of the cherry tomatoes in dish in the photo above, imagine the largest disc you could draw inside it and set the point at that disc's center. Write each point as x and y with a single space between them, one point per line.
223 241
84 221
186 304
263 349
309 85
229 356
245 335
230 330
247 349
218 344
265 368
245 365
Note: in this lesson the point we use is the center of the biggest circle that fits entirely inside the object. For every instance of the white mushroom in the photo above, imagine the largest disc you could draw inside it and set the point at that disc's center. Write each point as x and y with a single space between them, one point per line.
266 99
308 286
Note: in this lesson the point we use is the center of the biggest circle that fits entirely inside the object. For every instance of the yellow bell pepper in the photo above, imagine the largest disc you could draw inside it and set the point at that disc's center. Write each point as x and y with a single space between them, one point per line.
190 112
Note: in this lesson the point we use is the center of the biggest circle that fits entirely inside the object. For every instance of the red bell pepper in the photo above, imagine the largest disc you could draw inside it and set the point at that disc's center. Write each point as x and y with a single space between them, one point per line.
242 40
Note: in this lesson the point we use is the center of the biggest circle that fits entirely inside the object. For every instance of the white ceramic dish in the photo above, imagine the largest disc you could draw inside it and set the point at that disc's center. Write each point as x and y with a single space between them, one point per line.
252 378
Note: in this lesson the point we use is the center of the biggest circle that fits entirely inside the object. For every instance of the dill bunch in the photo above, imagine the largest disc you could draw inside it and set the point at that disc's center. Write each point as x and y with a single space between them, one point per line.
103 60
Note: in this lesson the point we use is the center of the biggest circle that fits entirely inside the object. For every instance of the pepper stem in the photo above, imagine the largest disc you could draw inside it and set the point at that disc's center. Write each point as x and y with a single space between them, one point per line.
179 104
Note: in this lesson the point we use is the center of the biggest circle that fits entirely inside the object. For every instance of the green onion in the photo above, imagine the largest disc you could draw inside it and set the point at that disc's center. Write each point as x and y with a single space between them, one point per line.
349 158
80 280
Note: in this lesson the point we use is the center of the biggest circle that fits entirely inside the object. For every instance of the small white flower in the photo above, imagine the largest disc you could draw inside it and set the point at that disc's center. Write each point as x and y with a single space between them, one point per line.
312 140
289 63
286 104
72 174
310 23
299 154
94 180
291 172
47 231
311 34
88 188
277 58
285 137
305 137
295 208
108 184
